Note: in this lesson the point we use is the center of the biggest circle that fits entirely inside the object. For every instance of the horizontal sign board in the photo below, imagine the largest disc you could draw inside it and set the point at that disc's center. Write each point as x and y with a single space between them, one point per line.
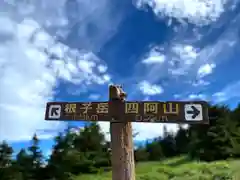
85 111
134 111
167 112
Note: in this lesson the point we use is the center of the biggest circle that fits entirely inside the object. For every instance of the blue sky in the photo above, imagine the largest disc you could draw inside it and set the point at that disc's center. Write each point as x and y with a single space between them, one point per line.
71 50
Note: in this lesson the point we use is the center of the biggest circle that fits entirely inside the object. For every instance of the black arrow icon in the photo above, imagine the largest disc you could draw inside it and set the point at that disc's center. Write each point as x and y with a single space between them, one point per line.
195 112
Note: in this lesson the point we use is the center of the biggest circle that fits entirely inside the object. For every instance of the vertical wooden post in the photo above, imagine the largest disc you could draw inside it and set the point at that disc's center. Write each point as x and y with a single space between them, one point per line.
123 166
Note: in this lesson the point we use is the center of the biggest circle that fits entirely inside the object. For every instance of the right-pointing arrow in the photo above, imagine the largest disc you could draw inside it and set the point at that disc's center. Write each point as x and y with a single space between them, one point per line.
195 112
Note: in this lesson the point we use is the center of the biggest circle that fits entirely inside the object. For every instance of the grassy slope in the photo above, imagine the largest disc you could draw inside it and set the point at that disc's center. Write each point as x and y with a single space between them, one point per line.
179 169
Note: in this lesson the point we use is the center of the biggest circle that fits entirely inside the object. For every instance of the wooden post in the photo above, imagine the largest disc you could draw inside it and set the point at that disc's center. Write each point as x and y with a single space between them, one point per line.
123 166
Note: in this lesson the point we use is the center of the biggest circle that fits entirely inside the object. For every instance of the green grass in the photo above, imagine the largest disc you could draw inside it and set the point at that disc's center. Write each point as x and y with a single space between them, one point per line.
179 169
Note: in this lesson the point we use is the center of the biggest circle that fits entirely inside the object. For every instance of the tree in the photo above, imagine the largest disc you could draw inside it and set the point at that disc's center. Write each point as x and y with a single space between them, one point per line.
168 145
141 154
6 151
22 165
34 160
79 152
58 165
93 146
232 132
5 155
155 150
210 142
182 140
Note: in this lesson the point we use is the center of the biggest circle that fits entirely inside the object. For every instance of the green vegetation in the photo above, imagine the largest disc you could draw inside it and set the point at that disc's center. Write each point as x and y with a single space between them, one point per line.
203 150
178 169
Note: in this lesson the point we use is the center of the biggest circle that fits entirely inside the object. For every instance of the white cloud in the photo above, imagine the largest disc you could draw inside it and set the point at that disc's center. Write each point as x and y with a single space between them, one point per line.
183 59
183 56
199 12
185 52
76 130
152 130
94 96
200 82
221 96
177 96
206 69
29 76
26 83
145 130
106 78
197 97
150 89
191 97
102 68
86 66
154 57
230 91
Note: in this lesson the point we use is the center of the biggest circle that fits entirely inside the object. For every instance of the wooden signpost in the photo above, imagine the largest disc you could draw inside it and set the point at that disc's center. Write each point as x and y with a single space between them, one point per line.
120 113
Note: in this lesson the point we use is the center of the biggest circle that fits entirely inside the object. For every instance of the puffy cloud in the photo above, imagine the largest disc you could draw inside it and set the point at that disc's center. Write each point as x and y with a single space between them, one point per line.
183 57
206 69
199 12
150 89
185 54
32 62
192 64
154 57
102 68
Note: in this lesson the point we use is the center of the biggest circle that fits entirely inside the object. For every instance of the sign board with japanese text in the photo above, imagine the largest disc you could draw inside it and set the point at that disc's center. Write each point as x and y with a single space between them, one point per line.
162 112
133 111
85 111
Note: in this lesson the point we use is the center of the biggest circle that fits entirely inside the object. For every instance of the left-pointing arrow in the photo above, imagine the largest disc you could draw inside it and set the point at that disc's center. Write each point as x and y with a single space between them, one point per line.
195 112
54 111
